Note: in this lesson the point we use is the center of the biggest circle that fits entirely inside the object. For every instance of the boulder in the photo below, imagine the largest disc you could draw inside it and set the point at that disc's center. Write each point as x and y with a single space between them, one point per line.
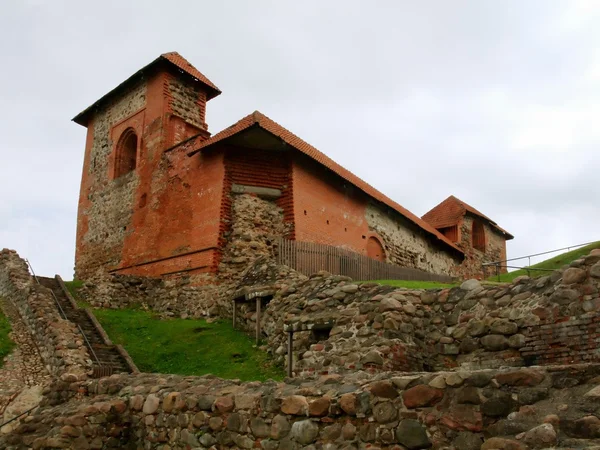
412 434
574 275
305 431
542 436
494 342
421 395
470 285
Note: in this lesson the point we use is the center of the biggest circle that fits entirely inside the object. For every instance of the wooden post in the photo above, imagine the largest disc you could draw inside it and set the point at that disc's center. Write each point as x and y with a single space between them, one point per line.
258 305
289 355
234 313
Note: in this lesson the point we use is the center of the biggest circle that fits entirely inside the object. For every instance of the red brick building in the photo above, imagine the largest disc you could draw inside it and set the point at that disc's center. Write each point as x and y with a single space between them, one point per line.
159 193
480 238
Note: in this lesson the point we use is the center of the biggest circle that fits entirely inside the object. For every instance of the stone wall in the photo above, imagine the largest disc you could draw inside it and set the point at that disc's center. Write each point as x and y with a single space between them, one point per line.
255 225
374 327
59 342
105 204
519 409
495 250
405 245
188 102
184 297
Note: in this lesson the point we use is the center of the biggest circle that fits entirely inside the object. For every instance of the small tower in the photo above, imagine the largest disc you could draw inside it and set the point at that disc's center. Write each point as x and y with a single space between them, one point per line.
479 237
129 130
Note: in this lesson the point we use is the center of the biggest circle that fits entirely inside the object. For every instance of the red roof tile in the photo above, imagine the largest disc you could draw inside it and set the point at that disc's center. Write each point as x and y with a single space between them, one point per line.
257 118
172 58
449 212
178 60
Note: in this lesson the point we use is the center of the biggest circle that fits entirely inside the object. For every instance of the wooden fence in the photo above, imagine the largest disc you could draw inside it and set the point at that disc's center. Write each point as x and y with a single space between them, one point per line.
309 258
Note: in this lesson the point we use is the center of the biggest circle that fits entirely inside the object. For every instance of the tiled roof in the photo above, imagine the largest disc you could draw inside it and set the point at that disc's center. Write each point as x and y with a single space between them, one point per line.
178 60
172 58
259 119
450 211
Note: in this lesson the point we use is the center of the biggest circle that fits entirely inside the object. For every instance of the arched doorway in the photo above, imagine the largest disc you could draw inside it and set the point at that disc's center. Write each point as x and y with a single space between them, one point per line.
375 249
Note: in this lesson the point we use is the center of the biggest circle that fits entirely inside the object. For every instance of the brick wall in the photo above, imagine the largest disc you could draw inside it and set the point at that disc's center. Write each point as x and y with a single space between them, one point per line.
163 217
330 211
326 210
570 340
179 226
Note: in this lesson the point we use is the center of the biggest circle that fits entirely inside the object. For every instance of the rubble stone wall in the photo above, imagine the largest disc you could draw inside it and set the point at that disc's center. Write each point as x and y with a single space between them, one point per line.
553 319
520 409
405 245
495 250
59 342
105 204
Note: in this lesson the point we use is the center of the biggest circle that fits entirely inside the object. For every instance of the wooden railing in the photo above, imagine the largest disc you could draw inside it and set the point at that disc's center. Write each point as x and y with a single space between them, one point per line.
309 258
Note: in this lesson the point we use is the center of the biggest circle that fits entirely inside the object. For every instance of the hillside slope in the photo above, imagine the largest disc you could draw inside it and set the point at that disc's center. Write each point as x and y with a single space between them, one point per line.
553 263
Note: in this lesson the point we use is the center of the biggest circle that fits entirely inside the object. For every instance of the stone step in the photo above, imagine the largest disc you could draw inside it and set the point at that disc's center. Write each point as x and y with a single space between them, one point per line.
107 355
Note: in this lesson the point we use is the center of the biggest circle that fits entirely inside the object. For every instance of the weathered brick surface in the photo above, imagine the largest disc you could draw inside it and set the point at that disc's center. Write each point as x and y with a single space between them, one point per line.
329 211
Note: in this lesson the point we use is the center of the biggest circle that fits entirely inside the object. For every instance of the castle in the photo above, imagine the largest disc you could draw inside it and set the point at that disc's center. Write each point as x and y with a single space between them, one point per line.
158 190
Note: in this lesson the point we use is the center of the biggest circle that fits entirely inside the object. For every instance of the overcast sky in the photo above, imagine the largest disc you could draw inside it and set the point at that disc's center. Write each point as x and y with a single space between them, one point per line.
495 102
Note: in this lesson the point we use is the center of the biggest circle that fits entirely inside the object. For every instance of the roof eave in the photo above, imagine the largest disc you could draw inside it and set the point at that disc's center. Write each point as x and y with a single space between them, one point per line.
83 117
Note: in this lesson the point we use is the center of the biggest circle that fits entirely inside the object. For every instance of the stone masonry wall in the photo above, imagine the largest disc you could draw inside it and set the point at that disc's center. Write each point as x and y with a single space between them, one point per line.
106 205
407 247
59 342
181 297
255 225
535 408
532 321
495 250
188 102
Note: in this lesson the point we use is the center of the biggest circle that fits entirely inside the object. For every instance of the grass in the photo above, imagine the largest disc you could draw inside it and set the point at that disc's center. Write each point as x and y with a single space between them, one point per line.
73 287
552 264
6 345
187 347
411 284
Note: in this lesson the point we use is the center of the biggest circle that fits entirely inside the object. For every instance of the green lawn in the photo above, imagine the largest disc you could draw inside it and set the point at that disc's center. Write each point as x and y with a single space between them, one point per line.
74 286
553 263
6 345
410 284
187 347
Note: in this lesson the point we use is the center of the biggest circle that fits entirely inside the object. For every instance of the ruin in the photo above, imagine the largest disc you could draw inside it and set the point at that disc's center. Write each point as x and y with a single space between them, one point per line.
480 366
160 195
188 224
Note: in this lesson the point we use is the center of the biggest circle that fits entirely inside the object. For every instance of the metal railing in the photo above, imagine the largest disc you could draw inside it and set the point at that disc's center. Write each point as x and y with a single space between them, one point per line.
498 265
101 370
19 416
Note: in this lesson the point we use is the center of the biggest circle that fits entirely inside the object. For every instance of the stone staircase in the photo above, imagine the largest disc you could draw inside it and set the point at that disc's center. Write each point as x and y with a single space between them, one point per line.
106 357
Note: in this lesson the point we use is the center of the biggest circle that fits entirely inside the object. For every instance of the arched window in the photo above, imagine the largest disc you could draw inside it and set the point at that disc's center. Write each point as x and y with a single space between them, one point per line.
126 155
375 249
478 236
